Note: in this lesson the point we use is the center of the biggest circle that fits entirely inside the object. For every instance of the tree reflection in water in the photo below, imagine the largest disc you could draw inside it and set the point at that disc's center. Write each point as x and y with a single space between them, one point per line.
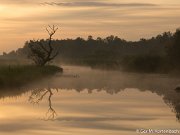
37 95
111 82
170 97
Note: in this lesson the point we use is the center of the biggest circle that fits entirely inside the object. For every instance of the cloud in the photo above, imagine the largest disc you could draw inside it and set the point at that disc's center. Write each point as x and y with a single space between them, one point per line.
97 4
82 18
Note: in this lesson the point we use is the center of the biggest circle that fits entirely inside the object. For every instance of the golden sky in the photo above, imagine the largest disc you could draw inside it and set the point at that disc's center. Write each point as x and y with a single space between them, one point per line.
22 20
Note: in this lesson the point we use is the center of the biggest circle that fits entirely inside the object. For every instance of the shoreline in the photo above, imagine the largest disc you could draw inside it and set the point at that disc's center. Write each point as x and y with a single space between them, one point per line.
12 76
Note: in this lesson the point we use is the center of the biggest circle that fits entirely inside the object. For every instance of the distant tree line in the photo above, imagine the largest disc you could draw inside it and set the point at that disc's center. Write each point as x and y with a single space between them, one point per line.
147 55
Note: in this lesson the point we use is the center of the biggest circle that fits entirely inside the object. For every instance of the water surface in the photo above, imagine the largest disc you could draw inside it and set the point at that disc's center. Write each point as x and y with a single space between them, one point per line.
90 102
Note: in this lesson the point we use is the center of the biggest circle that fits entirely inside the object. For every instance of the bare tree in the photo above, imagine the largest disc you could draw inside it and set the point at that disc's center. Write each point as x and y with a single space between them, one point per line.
41 51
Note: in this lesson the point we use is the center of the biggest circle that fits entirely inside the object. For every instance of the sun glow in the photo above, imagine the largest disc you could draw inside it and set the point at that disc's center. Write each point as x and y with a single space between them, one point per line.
23 21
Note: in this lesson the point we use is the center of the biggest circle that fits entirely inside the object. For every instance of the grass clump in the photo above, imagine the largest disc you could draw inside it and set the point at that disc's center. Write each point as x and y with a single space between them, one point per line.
15 76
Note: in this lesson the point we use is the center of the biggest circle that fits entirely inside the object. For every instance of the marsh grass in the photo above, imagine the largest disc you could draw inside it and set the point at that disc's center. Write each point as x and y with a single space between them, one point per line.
18 75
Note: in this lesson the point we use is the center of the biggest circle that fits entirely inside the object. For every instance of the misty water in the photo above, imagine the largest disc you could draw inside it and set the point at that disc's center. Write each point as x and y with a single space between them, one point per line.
90 101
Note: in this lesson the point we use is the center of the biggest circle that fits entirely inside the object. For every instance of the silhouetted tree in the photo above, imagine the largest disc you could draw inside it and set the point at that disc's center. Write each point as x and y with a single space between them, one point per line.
42 52
4 53
173 50
110 50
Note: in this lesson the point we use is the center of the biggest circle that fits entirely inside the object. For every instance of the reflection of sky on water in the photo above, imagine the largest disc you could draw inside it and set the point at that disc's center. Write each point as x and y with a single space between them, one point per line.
113 103
83 113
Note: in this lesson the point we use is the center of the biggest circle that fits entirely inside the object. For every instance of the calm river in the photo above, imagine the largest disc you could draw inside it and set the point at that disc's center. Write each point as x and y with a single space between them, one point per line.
85 101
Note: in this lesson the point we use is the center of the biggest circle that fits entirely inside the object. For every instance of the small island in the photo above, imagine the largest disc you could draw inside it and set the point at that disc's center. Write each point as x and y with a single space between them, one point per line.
16 76
13 75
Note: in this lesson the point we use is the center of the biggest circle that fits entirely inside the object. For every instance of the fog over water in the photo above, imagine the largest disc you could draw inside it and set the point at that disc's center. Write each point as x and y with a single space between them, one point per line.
90 101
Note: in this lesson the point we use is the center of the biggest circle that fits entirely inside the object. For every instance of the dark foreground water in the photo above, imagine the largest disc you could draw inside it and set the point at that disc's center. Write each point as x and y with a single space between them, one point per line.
83 101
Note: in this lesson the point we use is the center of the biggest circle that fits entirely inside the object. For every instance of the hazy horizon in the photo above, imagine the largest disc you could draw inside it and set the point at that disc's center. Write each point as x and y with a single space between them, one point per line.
23 20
